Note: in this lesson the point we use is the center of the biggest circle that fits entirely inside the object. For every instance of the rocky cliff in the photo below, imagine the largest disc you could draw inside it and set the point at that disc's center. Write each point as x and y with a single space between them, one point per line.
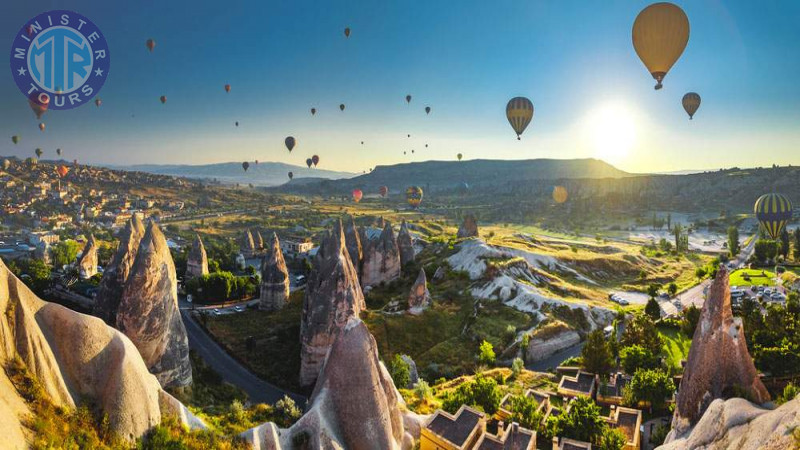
274 278
719 364
246 244
77 360
419 299
353 242
197 261
148 312
87 264
405 245
469 228
333 296
116 273
381 259
258 241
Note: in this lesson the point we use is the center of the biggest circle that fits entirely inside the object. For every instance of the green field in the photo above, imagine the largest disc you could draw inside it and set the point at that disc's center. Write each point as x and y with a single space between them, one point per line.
737 278
675 344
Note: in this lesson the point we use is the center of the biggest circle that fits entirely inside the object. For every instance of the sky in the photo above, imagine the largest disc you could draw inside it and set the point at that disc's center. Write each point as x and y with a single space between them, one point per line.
574 59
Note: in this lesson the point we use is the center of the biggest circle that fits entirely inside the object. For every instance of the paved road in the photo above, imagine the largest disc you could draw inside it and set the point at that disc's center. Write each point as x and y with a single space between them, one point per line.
556 359
258 390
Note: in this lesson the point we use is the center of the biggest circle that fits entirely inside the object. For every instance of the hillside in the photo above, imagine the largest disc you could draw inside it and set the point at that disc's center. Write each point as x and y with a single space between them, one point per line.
261 174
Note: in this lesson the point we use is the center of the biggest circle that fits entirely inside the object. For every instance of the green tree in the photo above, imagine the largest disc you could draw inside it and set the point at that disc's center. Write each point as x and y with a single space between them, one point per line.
486 355
652 309
64 253
677 231
400 372
516 367
796 244
35 274
733 240
783 243
642 331
613 439
653 289
672 289
690 316
482 393
525 411
700 272
650 386
635 357
423 391
596 354
582 422
765 250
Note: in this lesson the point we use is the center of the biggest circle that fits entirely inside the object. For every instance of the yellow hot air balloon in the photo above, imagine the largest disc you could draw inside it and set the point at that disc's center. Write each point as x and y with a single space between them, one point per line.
691 101
560 194
414 196
660 34
519 112
773 211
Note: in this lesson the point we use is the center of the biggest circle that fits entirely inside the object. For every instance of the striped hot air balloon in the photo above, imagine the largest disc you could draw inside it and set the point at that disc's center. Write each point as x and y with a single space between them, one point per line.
519 112
414 196
773 211
691 101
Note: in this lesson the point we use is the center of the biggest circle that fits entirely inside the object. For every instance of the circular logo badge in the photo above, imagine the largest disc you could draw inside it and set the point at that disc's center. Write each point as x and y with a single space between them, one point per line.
60 59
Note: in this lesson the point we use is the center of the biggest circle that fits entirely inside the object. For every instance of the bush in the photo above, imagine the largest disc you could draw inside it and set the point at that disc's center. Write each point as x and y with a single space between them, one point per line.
423 391
651 387
652 309
635 357
524 411
400 372
481 393
486 355
516 367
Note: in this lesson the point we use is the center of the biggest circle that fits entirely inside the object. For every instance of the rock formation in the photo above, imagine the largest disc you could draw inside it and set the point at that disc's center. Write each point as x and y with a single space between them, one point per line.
333 296
354 244
42 252
381 259
355 405
719 363
148 312
420 298
116 273
258 241
197 261
274 278
247 245
413 375
405 245
439 274
87 264
77 360
469 228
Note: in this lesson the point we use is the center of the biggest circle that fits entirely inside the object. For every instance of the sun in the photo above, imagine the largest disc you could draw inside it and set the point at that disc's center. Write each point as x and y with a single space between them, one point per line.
611 131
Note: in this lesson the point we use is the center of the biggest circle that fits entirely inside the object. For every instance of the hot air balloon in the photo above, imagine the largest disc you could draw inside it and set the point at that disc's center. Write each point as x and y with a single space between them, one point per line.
347 32
426 145
560 194
341 107
313 111
660 34
409 135
362 142
15 139
31 161
290 143
384 190
236 123
227 88
291 175
357 194
773 211
245 166
408 98
519 112
6 164
427 110
39 103
151 44
58 151
256 162
404 152
459 156
412 151
309 162
98 101
38 152
163 99
315 160
414 196
691 102
62 171
42 126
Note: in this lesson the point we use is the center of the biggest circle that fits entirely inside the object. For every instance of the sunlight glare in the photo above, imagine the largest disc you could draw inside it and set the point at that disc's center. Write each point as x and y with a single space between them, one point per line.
612 131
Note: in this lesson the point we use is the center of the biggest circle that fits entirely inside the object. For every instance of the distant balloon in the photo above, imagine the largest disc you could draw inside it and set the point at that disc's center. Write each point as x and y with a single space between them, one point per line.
313 111
427 110
404 152
691 102
414 196
42 126
98 101
519 112
31 161
426 145
409 135
245 166
459 156
15 139
384 190
408 98
256 161
6 164
347 32
227 88
412 151
39 103
163 99
341 107
290 143
291 175
38 152
357 194
315 160
362 142
772 212
151 44
58 151
309 162
660 34
560 194
236 123
62 171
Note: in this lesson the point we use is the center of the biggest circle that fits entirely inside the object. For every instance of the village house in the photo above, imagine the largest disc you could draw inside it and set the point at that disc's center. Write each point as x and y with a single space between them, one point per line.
581 385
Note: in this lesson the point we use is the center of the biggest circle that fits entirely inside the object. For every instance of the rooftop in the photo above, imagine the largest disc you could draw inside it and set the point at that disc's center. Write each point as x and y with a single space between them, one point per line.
455 429
513 438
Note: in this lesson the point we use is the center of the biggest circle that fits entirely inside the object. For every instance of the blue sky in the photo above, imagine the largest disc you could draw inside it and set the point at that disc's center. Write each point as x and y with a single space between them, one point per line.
464 59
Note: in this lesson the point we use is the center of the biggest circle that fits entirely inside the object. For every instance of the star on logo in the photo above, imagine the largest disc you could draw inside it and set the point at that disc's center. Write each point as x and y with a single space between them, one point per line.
98 72
21 71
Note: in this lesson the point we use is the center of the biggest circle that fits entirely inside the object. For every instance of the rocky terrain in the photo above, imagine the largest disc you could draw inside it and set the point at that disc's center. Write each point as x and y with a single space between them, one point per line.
404 244
381 259
419 299
274 278
116 274
87 264
354 244
247 245
468 228
197 260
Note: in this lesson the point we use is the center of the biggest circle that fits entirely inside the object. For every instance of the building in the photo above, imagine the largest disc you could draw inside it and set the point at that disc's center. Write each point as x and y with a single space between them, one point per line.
629 421
582 384
610 392
296 247
443 431
570 444
514 437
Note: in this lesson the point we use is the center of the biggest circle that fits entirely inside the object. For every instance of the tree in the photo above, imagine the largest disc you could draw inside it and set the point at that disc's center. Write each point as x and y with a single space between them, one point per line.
482 392
400 372
64 253
700 272
765 250
642 331
596 354
582 422
796 247
635 357
677 231
669 221
653 289
486 355
516 367
34 273
783 244
649 386
733 240
613 439
691 316
525 411
423 391
652 309
672 289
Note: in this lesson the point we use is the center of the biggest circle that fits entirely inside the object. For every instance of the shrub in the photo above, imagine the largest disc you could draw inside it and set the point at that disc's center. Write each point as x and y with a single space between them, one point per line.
486 355
516 367
400 372
524 411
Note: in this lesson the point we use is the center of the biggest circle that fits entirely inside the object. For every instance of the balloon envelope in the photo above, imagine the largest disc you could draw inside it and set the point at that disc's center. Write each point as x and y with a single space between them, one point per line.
62 171
245 166
6 164
427 110
227 88
39 103
459 156
309 162
58 151
691 102
414 196
163 99
42 126
357 194
313 111
291 175
38 152
290 143
408 98
384 190
519 112
347 32
98 102
773 211
15 139
660 34
315 160
151 44
341 107
560 194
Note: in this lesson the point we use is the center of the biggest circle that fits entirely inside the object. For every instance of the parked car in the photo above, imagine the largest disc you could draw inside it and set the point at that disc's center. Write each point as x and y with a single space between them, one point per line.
623 302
